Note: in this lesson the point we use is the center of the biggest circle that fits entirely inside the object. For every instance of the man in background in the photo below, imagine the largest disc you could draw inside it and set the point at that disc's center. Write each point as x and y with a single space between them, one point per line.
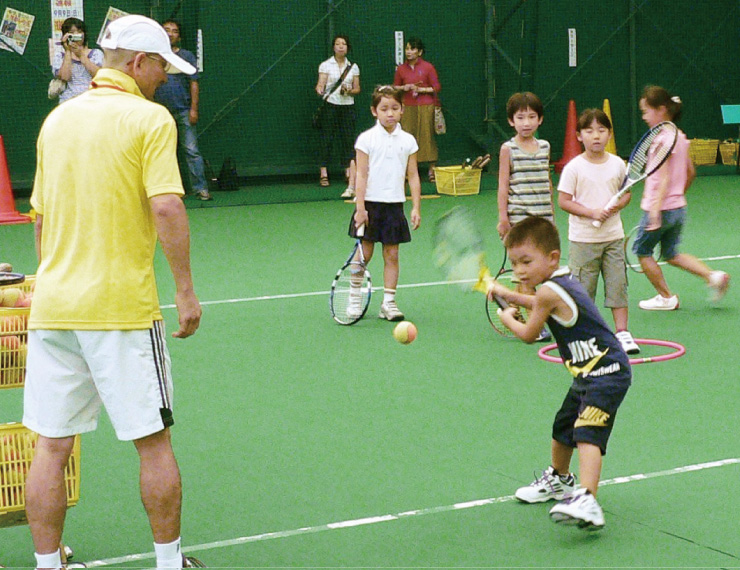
181 95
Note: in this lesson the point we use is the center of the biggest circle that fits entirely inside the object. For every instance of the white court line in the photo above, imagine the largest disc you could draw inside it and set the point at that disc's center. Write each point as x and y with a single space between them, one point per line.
406 514
408 286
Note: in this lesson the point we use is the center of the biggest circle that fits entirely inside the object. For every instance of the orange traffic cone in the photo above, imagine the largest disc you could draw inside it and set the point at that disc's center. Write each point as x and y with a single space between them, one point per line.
571 147
8 213
611 146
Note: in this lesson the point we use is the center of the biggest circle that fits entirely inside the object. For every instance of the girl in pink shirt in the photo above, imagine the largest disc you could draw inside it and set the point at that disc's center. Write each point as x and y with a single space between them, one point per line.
664 210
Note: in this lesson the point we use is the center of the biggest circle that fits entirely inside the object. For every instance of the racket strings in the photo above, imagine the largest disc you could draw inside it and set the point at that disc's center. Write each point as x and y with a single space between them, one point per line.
351 293
653 150
459 246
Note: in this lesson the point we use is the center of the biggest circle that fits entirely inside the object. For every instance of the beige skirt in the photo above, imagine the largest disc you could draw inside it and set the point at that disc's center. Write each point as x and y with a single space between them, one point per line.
419 121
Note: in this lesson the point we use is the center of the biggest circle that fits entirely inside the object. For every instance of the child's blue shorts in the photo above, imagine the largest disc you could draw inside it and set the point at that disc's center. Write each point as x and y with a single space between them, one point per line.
668 234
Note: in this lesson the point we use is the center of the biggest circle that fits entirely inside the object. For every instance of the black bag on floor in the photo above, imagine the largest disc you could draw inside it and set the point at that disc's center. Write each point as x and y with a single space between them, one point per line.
228 179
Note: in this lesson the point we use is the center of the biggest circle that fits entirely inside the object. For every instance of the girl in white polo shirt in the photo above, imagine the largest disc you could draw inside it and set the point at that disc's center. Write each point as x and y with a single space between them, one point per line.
386 156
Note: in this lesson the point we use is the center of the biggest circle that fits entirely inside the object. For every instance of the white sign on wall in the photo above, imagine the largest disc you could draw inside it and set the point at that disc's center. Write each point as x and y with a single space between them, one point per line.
572 51
400 53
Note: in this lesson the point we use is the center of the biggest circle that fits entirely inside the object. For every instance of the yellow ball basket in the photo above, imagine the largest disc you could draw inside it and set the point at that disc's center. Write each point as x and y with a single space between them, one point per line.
14 339
457 181
703 152
17 448
728 149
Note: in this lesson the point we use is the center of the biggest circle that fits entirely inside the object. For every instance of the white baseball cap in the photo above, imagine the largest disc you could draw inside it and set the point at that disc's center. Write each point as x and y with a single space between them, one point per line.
139 33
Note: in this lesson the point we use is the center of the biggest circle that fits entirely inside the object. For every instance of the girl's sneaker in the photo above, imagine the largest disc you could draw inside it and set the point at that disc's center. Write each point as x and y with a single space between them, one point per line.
389 311
660 303
550 486
719 281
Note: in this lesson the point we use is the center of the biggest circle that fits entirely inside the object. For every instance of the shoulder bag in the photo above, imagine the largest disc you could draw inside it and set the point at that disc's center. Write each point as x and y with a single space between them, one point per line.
440 124
318 114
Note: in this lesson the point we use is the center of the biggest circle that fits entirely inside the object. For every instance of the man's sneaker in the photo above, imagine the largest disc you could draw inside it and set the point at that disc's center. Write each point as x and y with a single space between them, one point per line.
628 343
660 303
192 562
547 487
389 311
348 193
544 336
204 195
581 509
719 281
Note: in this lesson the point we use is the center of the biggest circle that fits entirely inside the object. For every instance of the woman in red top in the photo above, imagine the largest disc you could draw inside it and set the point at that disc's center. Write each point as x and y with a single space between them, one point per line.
418 79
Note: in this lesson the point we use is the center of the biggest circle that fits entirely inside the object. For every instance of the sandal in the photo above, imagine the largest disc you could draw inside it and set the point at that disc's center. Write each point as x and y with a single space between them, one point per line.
432 178
324 181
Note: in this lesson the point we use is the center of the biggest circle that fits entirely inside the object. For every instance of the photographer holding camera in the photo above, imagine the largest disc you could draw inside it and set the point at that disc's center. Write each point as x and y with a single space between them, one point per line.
78 64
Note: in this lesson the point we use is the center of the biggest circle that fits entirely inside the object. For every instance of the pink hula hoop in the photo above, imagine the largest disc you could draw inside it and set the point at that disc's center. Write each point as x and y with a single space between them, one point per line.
679 350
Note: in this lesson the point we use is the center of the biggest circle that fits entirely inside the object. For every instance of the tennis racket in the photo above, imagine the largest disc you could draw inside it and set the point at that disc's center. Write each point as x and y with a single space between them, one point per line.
492 306
458 252
352 287
484 161
9 278
649 154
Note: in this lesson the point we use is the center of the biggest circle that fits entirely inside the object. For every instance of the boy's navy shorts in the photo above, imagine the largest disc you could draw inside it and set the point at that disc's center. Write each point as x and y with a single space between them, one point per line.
386 223
587 414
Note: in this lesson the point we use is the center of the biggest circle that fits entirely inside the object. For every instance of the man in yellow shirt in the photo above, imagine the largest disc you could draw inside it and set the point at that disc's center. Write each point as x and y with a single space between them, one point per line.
96 335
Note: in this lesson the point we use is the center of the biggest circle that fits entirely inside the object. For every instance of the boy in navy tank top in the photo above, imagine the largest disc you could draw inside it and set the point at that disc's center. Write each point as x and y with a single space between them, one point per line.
591 353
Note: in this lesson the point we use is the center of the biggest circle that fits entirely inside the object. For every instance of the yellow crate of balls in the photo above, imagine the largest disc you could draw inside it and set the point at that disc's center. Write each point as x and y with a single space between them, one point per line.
703 151
457 181
15 303
728 149
17 448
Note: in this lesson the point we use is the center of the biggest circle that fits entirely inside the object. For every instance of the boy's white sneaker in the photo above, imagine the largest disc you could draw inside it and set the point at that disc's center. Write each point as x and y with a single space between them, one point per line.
348 193
389 311
660 303
550 486
580 509
628 343
719 281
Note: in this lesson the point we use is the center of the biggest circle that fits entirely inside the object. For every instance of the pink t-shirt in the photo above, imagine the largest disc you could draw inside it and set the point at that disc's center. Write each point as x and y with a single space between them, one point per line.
678 173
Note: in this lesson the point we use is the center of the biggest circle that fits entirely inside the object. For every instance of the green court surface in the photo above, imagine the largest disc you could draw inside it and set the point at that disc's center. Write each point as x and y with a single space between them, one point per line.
303 443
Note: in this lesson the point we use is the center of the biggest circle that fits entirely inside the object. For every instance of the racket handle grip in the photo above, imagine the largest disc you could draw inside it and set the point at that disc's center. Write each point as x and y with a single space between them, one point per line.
361 231
610 204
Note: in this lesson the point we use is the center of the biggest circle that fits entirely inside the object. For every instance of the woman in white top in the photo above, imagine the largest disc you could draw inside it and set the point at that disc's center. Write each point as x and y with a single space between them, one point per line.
78 64
339 118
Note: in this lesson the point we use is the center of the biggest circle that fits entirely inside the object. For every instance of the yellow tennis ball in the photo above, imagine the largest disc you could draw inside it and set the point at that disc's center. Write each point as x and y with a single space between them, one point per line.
405 332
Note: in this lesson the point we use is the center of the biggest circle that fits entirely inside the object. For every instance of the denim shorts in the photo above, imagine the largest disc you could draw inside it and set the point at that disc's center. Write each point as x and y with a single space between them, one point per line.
668 234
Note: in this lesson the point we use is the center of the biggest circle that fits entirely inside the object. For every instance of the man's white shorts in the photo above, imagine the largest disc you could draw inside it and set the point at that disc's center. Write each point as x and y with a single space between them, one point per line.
71 374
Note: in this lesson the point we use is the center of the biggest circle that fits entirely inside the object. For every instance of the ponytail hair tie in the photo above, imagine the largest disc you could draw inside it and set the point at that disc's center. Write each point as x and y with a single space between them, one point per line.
676 99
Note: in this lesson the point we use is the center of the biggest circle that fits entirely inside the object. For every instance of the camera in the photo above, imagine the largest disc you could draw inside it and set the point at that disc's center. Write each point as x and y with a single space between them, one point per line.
75 38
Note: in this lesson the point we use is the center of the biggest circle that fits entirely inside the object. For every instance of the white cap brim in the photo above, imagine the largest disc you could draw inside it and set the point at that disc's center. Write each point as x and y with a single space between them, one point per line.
142 34
179 63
